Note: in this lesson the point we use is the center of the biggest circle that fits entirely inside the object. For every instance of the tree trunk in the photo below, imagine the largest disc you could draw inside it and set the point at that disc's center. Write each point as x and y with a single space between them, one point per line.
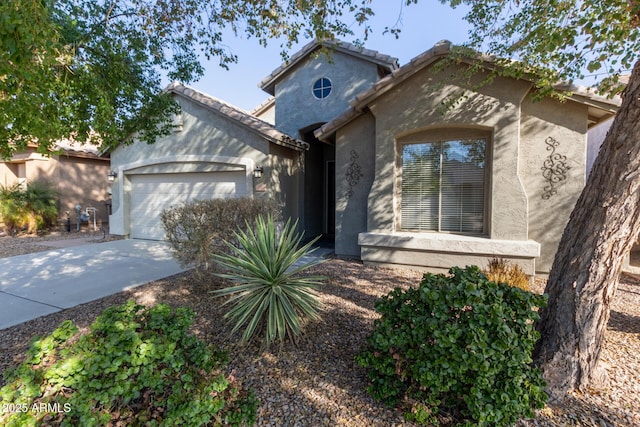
602 228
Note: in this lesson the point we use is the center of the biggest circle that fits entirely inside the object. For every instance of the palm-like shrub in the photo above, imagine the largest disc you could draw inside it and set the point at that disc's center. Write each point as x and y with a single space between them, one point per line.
11 211
33 208
269 296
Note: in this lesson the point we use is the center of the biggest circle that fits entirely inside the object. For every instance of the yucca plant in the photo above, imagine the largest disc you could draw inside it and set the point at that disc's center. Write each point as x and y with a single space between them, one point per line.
269 295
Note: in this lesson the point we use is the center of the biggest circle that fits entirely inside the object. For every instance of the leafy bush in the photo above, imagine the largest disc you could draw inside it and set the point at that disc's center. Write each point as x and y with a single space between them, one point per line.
136 366
197 230
33 208
460 344
501 270
270 296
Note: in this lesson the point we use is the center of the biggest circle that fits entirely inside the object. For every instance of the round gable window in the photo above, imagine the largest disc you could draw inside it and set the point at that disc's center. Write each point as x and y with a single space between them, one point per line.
322 88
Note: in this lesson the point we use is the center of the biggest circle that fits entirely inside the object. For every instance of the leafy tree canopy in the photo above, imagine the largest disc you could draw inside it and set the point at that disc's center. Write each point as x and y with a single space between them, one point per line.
91 69
558 40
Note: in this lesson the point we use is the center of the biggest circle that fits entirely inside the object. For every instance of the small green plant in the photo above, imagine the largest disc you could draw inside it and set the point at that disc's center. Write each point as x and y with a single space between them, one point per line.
500 270
196 231
460 344
33 208
269 295
136 366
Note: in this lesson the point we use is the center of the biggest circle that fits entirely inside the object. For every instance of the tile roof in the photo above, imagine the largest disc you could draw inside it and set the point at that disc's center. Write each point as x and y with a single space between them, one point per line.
74 147
264 105
600 107
388 63
237 115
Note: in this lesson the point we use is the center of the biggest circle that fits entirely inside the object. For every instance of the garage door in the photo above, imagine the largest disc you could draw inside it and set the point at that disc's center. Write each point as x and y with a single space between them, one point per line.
152 193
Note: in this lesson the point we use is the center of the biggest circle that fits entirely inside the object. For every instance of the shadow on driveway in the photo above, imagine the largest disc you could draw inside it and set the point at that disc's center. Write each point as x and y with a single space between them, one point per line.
45 282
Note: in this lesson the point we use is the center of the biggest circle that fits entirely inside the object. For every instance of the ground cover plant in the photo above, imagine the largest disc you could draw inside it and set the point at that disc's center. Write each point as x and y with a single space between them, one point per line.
269 297
136 366
317 382
460 344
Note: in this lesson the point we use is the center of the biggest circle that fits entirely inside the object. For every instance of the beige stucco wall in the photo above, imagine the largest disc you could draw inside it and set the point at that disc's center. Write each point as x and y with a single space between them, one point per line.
77 179
8 174
83 181
205 141
520 223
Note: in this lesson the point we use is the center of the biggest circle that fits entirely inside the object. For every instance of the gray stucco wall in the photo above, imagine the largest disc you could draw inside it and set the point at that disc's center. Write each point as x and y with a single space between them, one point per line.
550 205
297 108
413 108
355 172
521 223
206 141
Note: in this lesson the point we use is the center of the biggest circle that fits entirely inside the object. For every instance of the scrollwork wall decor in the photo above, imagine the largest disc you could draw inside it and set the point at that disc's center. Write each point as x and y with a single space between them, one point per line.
354 173
554 169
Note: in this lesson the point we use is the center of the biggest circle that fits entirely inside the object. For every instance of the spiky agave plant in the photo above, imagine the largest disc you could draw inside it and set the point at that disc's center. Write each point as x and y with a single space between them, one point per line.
269 293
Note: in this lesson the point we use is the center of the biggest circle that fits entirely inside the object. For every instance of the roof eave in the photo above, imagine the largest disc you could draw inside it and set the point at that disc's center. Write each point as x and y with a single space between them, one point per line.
268 83
279 139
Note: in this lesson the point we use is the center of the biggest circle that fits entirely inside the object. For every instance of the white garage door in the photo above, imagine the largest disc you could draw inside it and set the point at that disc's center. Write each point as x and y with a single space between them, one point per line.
152 193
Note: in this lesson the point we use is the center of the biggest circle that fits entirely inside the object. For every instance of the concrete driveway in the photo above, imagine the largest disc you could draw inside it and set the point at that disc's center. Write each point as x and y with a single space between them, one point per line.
42 283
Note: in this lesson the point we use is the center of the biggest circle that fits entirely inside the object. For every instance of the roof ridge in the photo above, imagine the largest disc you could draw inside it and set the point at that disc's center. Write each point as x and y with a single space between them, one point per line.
417 63
238 114
263 105
391 63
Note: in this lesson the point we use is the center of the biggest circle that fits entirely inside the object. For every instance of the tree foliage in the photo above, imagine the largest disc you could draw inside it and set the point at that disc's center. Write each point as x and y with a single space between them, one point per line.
558 40
91 69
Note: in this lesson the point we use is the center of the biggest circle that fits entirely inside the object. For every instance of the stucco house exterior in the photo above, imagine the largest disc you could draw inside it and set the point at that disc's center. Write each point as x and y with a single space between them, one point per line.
359 149
78 172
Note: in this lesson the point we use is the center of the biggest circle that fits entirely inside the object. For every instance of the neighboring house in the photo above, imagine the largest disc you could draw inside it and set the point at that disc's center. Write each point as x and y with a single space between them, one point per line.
78 172
373 162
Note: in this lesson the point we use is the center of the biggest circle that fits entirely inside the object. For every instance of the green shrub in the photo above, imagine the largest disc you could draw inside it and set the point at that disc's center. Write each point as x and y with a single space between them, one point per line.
197 230
459 344
269 297
500 270
33 208
136 366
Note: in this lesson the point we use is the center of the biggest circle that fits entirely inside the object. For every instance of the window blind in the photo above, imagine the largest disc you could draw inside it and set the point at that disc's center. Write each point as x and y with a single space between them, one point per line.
443 186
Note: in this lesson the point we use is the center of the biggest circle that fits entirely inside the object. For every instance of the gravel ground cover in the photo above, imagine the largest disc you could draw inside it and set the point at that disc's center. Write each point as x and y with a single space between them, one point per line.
317 382
26 244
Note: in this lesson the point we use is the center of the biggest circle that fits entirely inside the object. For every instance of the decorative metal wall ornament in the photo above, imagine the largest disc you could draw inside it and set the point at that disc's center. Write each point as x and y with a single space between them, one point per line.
554 169
354 173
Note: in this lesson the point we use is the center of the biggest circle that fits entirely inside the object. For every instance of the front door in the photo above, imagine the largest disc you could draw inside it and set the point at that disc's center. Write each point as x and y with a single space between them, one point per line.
319 187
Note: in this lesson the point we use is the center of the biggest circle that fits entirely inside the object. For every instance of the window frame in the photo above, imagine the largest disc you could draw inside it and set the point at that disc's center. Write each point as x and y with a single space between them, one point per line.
443 135
322 88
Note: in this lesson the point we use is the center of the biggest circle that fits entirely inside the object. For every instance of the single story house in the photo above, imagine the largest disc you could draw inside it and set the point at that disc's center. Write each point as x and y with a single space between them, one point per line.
359 149
78 172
